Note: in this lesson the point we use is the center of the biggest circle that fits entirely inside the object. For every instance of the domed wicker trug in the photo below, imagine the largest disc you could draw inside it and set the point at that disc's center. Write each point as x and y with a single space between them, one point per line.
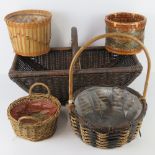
34 117
30 31
106 133
129 23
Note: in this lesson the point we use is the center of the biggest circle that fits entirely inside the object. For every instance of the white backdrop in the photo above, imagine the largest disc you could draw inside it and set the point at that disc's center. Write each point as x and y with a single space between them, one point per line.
87 15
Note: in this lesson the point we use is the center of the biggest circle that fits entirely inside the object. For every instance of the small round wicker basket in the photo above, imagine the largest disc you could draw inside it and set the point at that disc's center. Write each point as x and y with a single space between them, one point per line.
106 137
30 31
128 23
30 127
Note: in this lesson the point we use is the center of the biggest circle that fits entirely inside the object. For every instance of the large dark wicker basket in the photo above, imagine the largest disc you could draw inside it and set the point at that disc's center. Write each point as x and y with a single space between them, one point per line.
106 136
53 68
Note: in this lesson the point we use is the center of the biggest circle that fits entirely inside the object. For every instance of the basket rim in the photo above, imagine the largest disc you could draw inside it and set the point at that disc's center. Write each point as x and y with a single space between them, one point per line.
36 95
124 126
47 14
129 24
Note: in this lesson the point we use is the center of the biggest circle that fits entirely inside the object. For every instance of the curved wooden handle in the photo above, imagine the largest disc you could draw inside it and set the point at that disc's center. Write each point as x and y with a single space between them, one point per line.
39 84
27 117
108 35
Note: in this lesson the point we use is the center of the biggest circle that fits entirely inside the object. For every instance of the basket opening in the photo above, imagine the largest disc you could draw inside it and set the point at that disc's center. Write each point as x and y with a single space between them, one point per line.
27 18
125 18
60 60
41 109
109 107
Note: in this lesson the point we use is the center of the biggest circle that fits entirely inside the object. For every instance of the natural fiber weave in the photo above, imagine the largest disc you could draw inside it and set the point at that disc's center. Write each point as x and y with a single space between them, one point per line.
95 63
30 31
40 130
128 23
106 137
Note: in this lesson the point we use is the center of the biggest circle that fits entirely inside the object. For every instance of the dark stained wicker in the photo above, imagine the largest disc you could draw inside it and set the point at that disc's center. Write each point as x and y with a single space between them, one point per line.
52 69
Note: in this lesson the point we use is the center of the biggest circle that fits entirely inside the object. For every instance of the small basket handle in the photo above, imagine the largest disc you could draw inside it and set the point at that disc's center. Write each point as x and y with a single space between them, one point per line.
108 35
75 47
39 84
27 117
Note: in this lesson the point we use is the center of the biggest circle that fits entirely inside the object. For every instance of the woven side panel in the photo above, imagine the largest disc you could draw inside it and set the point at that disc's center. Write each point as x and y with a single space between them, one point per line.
60 83
75 124
134 132
35 133
85 135
109 138
104 139
99 139
122 45
32 41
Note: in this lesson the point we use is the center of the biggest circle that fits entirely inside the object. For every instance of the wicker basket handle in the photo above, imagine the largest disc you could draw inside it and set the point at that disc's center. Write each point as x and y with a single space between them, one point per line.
75 47
27 118
39 84
108 35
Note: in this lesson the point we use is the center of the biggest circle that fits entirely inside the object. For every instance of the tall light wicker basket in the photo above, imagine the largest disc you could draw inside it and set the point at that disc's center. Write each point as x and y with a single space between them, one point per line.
30 31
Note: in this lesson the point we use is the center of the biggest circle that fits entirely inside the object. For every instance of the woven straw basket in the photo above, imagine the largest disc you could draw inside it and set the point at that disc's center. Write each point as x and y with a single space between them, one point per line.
30 31
39 129
106 137
129 23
